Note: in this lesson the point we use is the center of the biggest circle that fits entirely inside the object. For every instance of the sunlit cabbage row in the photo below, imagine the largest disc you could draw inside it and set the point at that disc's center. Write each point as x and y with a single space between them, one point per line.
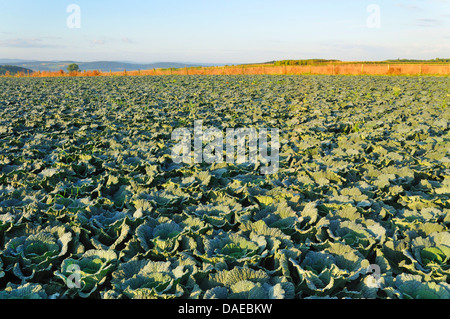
92 205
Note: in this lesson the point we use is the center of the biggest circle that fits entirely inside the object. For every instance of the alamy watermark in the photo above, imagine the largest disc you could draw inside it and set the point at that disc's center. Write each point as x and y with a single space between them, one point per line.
74 19
74 280
373 280
209 145
374 19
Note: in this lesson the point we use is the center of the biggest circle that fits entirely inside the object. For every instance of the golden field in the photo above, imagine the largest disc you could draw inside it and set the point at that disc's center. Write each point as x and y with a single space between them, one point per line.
435 69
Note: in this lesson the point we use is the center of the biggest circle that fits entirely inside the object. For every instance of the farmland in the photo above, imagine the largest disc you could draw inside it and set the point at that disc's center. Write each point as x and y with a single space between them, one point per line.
276 68
93 206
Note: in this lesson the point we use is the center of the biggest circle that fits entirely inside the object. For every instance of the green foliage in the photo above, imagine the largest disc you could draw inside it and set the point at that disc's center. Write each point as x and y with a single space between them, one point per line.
415 60
13 70
73 67
304 62
93 265
88 190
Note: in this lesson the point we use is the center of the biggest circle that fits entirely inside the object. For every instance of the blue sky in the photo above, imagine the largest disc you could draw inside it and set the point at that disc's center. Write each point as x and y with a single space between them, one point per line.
226 31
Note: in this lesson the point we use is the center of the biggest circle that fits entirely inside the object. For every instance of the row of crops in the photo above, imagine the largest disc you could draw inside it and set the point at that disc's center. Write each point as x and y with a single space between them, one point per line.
93 206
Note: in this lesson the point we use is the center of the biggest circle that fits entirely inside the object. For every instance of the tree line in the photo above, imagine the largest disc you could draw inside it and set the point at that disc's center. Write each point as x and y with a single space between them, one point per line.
12 70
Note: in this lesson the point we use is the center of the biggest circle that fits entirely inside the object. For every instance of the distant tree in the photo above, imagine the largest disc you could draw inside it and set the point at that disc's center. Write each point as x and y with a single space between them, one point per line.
73 67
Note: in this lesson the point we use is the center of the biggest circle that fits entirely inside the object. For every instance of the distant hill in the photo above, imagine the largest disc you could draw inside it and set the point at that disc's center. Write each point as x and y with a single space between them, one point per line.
13 69
12 61
103 66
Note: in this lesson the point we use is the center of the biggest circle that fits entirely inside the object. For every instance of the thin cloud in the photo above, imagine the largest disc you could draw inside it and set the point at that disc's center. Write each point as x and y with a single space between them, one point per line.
28 43
127 40
109 40
429 23
408 7
98 42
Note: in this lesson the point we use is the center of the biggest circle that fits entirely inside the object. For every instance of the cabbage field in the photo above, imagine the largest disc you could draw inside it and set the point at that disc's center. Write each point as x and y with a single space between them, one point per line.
93 206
